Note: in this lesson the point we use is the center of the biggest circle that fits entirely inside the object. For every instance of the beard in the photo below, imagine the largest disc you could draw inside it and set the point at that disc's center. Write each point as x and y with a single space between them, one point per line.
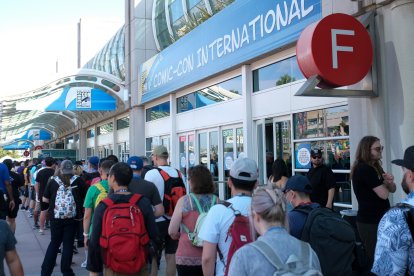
404 185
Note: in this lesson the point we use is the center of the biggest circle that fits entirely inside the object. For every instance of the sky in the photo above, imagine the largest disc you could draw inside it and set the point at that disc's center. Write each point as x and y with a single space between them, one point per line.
35 35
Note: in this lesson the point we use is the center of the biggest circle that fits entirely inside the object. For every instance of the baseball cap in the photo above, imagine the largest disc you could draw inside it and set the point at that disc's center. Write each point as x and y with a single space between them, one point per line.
94 160
408 161
66 167
244 169
135 163
298 183
160 151
316 152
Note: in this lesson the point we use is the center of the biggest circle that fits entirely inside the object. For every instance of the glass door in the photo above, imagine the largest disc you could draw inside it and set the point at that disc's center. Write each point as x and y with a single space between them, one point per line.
208 151
283 140
233 147
186 149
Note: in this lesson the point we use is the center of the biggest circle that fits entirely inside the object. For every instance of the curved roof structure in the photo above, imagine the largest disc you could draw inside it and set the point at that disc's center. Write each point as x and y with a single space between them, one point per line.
39 109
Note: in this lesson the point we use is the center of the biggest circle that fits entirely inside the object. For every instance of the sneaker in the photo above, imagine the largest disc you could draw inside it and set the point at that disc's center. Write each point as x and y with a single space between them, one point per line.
30 215
84 264
41 232
22 208
36 226
75 250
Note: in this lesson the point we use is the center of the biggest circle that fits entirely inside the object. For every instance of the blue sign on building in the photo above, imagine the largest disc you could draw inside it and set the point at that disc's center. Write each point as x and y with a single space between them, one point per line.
241 32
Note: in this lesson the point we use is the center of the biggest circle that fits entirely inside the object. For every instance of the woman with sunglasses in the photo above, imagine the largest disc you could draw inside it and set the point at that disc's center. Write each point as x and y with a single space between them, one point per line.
275 249
372 186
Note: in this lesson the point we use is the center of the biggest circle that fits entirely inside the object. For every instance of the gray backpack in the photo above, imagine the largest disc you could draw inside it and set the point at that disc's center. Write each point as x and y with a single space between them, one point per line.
294 265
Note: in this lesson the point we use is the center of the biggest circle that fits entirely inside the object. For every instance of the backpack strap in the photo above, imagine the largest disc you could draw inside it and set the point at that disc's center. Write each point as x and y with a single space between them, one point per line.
108 202
100 187
267 251
200 210
165 176
135 198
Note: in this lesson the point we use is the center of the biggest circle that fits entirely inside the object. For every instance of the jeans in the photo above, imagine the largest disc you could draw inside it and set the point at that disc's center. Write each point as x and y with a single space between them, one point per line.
61 230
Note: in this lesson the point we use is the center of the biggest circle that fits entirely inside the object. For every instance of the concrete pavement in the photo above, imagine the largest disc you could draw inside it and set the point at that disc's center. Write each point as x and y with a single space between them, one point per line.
31 247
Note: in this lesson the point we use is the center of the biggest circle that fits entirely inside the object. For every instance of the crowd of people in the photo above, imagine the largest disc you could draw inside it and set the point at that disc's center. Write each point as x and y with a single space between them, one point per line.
125 215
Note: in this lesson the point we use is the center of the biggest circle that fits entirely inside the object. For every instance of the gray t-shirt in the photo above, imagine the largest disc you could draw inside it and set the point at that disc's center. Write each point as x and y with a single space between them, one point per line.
249 261
7 242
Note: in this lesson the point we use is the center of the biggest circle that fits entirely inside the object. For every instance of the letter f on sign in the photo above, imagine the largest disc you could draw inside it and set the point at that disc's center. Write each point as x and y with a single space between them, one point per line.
336 48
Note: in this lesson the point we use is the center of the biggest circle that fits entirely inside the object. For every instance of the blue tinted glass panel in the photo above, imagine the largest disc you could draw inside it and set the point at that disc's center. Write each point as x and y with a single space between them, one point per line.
158 111
186 103
276 74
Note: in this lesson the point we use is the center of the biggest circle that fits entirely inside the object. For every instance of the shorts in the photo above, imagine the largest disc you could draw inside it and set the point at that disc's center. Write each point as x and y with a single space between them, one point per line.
168 243
44 206
32 193
37 207
26 191
12 213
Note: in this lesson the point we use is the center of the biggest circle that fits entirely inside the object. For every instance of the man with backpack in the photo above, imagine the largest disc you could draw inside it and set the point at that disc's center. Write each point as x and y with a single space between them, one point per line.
65 193
219 232
394 252
166 179
94 195
330 236
123 225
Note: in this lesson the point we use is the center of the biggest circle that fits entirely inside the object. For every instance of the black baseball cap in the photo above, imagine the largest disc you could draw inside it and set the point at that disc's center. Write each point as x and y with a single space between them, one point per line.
408 161
298 183
316 152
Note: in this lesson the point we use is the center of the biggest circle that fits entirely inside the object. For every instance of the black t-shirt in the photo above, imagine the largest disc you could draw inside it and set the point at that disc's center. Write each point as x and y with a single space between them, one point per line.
94 255
322 180
145 188
371 207
79 192
16 183
43 177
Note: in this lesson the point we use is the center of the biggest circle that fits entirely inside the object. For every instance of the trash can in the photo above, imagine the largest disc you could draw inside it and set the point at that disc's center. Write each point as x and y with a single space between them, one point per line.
350 216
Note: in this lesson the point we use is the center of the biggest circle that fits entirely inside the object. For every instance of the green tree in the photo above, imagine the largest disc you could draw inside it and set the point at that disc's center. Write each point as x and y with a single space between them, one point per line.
285 79
11 153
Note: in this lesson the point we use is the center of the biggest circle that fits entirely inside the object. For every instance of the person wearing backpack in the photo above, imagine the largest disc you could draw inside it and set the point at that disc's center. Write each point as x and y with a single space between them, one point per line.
331 237
394 252
189 214
94 195
122 228
65 193
275 252
217 227
165 177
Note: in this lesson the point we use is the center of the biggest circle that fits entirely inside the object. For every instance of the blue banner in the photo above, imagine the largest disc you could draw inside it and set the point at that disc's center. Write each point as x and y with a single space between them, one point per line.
18 145
83 99
241 32
36 134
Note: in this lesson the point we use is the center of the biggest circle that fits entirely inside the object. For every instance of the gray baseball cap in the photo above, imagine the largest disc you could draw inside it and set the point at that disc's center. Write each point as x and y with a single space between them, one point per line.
244 169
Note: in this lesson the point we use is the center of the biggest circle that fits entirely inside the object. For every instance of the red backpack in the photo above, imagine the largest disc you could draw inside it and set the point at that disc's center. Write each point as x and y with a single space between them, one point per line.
124 237
240 233
174 188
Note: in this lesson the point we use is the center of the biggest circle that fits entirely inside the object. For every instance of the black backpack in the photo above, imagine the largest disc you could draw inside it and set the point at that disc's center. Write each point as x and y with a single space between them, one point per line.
174 188
331 237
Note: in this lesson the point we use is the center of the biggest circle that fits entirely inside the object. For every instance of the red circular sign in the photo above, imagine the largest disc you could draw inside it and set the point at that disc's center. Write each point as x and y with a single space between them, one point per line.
337 48
26 153
38 147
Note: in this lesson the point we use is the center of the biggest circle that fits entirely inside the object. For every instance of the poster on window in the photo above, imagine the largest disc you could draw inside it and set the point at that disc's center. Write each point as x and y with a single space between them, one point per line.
302 156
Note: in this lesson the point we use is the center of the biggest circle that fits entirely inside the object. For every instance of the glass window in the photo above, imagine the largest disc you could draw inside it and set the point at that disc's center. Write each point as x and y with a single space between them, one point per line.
90 133
228 151
279 73
105 129
164 38
214 155
186 103
177 18
202 149
122 123
239 141
158 111
328 122
227 90
218 5
191 151
183 154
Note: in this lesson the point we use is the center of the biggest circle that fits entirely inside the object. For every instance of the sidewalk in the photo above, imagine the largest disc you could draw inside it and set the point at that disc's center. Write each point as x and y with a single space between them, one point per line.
31 247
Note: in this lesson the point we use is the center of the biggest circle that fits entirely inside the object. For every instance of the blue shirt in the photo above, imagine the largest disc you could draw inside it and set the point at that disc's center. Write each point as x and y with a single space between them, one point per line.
394 253
4 176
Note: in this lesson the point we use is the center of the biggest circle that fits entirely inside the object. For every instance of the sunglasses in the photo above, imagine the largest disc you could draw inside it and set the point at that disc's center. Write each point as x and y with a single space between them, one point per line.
317 156
378 149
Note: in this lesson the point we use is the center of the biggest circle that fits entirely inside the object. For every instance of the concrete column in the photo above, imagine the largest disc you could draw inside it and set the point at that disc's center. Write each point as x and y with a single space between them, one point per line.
174 154
115 138
400 82
136 131
247 86
82 143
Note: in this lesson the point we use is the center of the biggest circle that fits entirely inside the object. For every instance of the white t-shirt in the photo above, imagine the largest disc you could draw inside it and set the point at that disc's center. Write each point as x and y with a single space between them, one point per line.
155 177
217 224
